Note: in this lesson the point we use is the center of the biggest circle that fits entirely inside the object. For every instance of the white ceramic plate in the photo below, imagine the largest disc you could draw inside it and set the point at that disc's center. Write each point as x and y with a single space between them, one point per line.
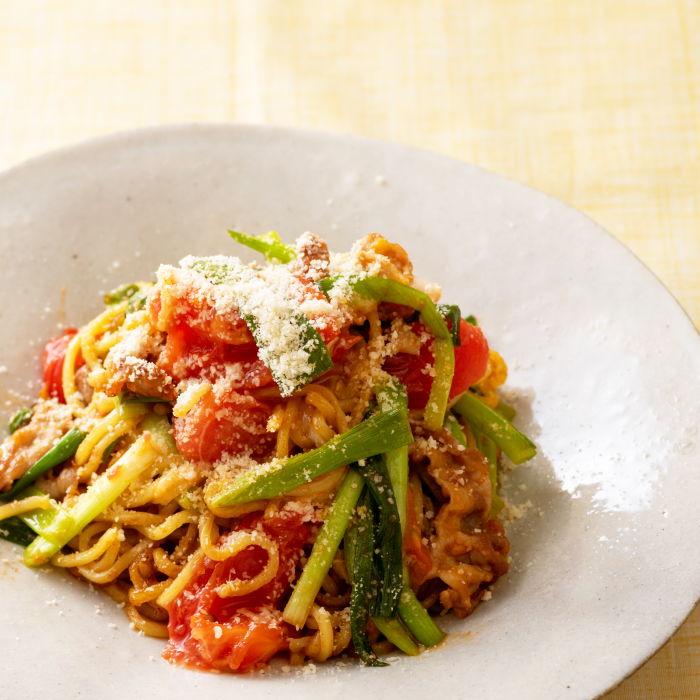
604 371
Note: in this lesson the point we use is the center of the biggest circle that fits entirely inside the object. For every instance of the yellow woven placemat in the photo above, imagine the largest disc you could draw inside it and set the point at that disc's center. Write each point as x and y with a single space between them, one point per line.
596 102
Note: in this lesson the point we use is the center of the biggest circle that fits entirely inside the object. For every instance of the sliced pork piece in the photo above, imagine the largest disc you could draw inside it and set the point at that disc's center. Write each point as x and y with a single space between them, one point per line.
131 363
379 258
467 550
82 384
313 257
138 376
50 421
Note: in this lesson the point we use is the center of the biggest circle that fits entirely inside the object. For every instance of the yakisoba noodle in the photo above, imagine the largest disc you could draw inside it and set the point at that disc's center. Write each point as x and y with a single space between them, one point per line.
298 459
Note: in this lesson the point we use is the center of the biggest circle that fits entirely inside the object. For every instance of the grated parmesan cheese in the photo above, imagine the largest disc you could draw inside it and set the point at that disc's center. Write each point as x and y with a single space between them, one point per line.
282 341
189 397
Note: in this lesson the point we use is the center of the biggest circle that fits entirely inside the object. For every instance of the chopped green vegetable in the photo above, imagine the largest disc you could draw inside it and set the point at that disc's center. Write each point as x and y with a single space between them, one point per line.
472 320
440 390
392 394
121 293
416 617
324 549
99 496
65 449
161 431
52 523
21 418
397 634
189 500
377 434
135 293
288 344
382 289
125 411
514 444
393 630
15 531
359 539
137 301
508 412
108 452
124 399
452 425
487 447
269 244
453 313
387 537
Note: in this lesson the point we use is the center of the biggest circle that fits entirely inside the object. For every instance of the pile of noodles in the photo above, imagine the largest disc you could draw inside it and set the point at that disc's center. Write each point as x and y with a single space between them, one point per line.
146 547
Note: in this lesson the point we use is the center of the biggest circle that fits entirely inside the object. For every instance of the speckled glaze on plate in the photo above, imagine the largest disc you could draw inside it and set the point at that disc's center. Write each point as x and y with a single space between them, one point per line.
604 372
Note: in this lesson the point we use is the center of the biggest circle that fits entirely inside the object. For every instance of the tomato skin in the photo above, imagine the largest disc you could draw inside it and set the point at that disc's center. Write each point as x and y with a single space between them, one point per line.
52 361
204 345
326 325
414 371
242 644
193 312
345 342
234 424
230 423
189 354
471 360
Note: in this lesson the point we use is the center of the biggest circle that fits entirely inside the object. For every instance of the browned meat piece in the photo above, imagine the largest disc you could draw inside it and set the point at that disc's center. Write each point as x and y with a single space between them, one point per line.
139 376
81 382
467 549
380 258
26 446
131 363
312 257
58 486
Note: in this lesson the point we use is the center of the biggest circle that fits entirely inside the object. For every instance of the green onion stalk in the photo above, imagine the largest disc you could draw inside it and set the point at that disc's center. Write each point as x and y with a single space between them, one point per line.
387 538
487 447
64 450
51 523
15 531
508 412
452 426
324 549
512 442
359 555
382 289
452 313
377 434
392 394
360 571
134 294
20 419
269 244
395 631
99 496
387 555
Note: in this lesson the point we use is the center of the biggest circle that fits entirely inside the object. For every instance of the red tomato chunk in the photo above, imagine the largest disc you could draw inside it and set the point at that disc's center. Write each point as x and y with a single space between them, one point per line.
414 371
242 632
52 361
